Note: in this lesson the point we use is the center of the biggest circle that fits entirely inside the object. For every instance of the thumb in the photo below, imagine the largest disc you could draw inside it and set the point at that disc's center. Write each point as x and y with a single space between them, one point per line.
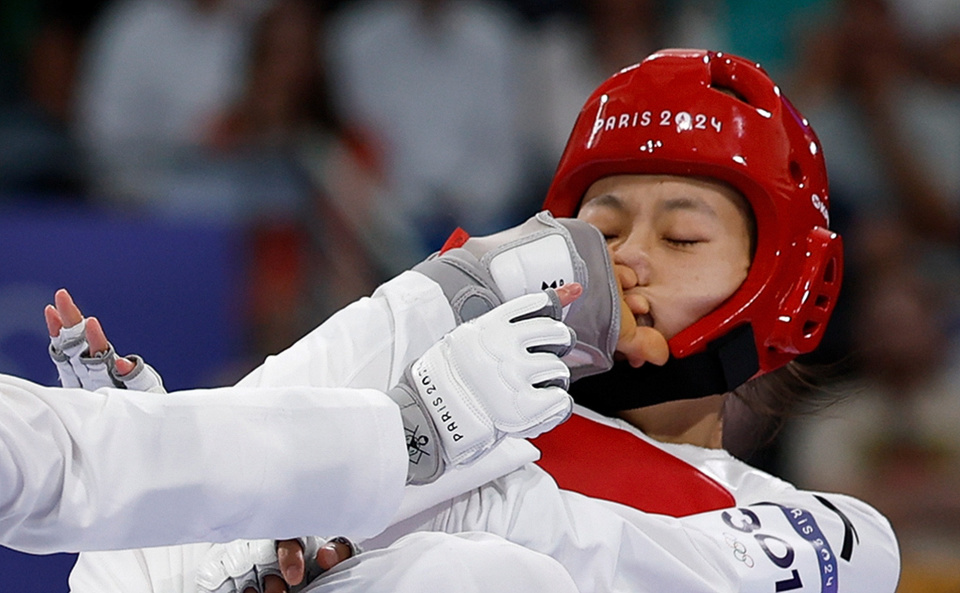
124 366
640 344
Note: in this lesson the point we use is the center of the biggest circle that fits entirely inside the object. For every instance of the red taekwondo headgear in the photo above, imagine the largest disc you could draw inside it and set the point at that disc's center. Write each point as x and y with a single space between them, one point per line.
711 114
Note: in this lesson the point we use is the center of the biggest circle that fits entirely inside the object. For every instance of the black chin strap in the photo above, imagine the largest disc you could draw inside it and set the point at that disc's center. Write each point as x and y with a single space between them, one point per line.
727 363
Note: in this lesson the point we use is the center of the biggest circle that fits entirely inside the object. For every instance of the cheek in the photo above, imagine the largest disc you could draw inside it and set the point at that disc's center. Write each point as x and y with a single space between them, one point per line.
692 293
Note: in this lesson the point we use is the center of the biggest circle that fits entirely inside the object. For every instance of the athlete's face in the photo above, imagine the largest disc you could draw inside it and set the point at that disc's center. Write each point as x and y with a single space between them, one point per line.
685 241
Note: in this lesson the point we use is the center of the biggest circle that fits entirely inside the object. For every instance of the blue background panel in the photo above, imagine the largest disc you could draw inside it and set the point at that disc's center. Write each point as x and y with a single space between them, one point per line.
170 291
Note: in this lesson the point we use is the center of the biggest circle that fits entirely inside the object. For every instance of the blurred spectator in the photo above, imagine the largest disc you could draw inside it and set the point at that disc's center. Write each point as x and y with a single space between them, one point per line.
885 104
567 55
157 76
767 30
861 72
436 81
41 42
864 82
894 440
342 241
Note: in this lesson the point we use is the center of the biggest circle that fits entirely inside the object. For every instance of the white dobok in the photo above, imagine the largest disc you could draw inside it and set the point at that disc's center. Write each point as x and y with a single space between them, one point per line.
773 538
113 469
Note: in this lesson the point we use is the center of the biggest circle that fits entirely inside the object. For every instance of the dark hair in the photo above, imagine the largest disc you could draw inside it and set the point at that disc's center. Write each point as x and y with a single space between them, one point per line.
757 411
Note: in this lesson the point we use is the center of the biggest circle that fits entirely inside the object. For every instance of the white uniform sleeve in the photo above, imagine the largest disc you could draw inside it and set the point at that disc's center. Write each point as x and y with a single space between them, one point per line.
802 543
116 469
369 343
365 345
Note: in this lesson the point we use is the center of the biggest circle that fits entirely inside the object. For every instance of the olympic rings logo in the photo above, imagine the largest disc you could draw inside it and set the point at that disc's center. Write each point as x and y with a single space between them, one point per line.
739 550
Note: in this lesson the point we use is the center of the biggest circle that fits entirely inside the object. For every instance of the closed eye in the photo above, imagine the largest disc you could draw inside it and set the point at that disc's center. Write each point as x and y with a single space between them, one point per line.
682 242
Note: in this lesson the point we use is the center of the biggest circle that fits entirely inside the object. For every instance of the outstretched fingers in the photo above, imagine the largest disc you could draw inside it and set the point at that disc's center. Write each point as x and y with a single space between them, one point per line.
54 323
97 341
66 313
63 313
69 312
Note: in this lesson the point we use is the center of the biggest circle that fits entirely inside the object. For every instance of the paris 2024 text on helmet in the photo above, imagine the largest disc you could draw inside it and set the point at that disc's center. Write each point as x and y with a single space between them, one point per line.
710 114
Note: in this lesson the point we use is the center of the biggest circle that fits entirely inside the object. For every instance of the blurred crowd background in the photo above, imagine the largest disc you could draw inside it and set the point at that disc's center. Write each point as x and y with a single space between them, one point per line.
216 177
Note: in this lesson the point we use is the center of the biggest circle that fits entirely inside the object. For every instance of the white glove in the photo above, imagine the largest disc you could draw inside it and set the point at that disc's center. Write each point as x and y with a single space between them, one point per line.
541 253
497 375
77 368
243 564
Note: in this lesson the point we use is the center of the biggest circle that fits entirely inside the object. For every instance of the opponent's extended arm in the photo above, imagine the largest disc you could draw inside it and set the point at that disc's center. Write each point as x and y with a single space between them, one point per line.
117 469
497 375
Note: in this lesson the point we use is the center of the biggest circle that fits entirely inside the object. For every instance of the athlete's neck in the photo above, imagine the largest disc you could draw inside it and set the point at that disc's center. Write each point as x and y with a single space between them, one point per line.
692 421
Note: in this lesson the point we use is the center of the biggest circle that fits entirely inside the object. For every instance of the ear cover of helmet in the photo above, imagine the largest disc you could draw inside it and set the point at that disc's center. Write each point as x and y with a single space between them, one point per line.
710 114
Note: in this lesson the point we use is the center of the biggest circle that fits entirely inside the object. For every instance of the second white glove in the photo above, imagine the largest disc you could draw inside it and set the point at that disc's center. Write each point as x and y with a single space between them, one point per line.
77 367
497 375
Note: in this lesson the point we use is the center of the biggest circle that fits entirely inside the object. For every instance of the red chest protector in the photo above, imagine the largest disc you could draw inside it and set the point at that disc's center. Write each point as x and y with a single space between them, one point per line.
605 462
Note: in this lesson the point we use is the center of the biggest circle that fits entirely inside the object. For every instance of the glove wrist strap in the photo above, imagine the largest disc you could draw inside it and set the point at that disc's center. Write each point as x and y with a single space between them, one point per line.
425 460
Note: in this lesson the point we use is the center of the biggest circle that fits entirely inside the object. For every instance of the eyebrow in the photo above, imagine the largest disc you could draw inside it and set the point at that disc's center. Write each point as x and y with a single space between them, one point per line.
680 203
688 204
606 201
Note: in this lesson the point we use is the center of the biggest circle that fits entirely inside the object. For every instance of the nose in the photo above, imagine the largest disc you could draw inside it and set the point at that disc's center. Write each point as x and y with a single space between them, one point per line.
632 254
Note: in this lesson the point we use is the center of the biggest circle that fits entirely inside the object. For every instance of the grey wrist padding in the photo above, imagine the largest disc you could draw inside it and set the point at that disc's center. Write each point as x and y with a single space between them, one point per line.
543 252
425 458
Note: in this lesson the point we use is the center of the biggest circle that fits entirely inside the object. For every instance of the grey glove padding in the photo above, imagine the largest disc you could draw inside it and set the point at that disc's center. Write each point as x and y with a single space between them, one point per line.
543 252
